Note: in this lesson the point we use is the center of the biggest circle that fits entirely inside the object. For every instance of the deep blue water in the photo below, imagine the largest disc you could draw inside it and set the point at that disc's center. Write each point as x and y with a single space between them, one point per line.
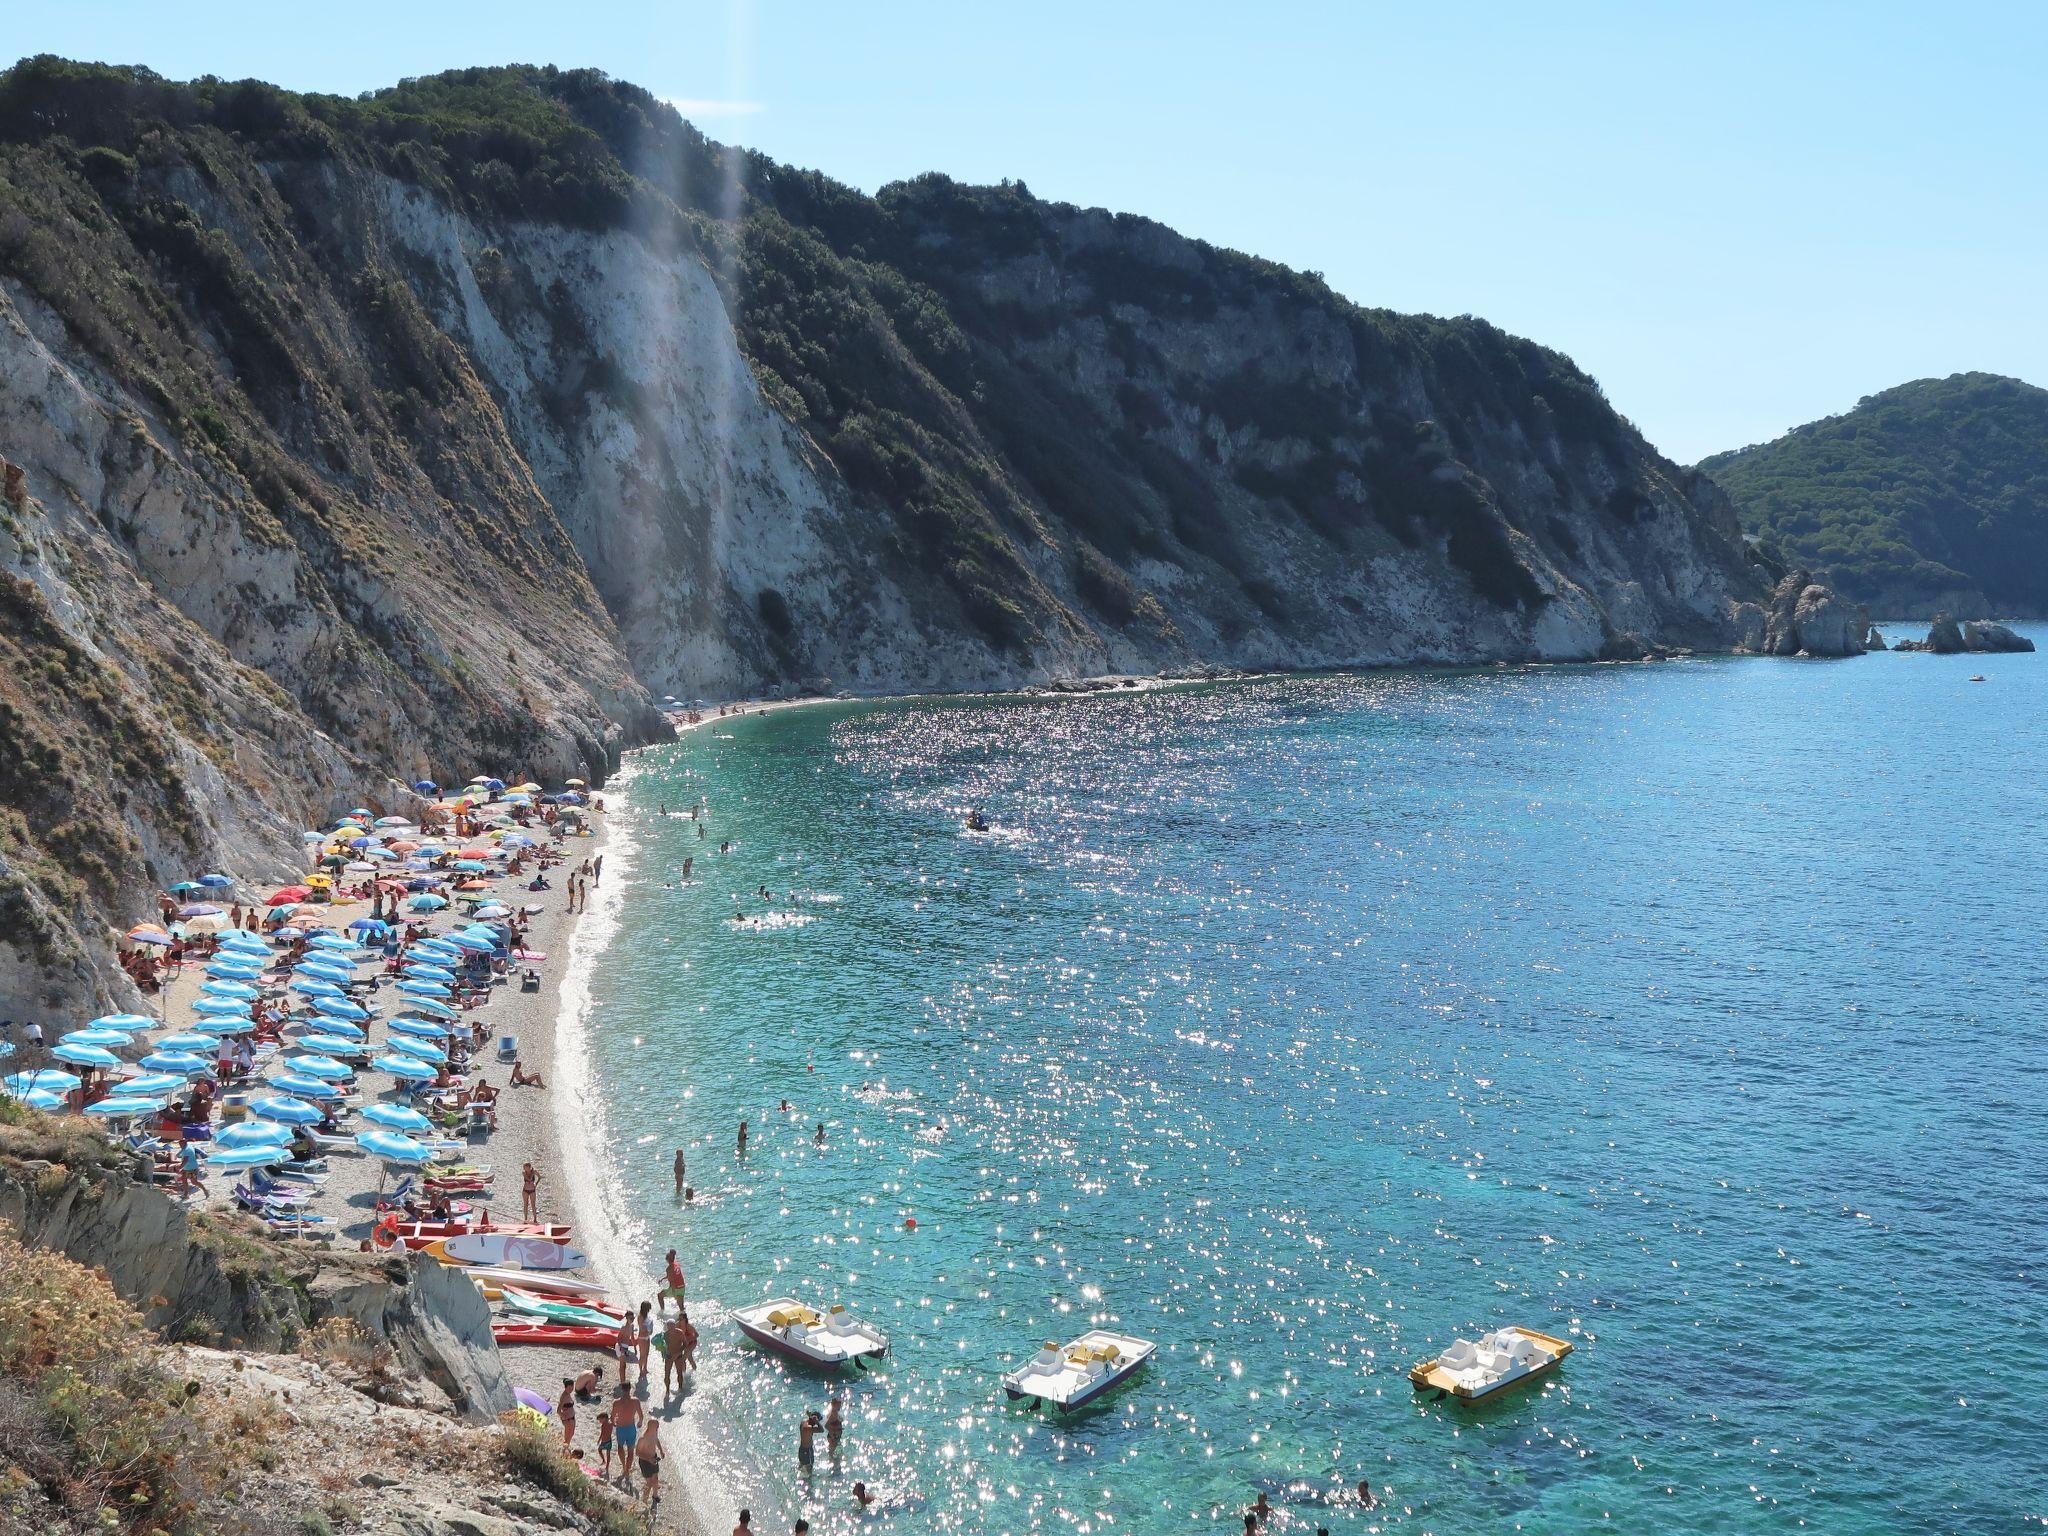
1691 1010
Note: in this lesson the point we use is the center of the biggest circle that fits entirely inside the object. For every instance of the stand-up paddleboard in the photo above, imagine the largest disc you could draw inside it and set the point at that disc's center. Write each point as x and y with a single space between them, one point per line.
508 1248
562 1287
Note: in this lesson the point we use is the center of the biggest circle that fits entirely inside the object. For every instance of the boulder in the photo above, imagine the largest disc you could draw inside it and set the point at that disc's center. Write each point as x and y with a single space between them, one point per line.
1983 635
1943 637
1809 618
1874 641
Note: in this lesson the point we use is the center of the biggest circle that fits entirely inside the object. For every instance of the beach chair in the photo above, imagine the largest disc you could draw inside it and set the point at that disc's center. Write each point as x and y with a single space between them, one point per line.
508 1047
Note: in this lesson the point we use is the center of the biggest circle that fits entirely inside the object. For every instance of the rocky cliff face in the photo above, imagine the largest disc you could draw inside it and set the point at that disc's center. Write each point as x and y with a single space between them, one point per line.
362 440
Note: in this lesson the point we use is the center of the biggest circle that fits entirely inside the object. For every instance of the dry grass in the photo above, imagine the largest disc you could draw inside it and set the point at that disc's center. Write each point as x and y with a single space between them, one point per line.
532 1452
88 1413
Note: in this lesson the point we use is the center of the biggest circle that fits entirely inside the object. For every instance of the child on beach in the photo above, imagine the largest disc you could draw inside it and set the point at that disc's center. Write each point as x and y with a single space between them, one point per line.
604 1444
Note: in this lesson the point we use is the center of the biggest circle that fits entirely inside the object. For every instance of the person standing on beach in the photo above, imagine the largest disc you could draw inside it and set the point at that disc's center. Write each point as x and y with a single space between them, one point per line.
565 1411
529 1193
597 870
672 1353
624 1350
643 1334
650 1456
625 1428
679 1186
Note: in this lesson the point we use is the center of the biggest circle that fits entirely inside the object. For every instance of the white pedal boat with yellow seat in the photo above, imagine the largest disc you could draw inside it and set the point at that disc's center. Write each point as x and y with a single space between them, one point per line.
1505 1358
1083 1370
797 1332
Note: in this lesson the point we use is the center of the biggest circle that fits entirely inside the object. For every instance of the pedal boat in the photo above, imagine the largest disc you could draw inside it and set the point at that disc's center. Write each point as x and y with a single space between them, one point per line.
829 1340
1088 1367
1505 1358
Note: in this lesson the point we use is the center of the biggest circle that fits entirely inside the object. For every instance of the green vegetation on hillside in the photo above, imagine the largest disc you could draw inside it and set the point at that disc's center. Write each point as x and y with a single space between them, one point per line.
1925 491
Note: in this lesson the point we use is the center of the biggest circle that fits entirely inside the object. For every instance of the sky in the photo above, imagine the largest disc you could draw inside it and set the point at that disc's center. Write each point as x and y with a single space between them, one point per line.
1737 217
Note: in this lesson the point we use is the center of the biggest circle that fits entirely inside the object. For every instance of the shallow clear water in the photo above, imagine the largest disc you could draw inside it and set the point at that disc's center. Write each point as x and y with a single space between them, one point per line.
1302 1025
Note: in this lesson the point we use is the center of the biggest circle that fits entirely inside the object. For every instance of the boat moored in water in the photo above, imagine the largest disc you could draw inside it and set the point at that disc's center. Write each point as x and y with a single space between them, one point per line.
827 1339
1505 1358
1085 1369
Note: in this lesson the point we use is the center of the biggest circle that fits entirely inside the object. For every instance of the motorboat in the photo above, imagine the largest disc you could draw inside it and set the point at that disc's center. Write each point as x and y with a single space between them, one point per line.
976 822
1082 1371
1507 1357
831 1339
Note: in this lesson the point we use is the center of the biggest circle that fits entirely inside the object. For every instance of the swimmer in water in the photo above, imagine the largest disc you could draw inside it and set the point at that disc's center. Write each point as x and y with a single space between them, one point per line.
1365 1494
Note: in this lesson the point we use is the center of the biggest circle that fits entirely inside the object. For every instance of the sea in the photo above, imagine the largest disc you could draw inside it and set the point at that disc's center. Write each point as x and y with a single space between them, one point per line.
1690 1011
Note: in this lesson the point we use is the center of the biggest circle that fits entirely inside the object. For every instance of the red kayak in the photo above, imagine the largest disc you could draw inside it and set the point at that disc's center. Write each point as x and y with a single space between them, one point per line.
554 1333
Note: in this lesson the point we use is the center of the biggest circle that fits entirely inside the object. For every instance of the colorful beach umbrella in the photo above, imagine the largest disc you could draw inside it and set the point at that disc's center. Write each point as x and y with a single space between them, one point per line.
429 973
234 970
238 989
314 986
187 1040
222 1007
332 1045
405 1067
215 882
176 1061
148 933
427 903
327 1025
40 1098
412 1045
431 1008
339 1008
242 939
418 988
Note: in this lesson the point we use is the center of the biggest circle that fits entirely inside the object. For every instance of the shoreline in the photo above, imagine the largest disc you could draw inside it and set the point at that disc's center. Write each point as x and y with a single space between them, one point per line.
699 1496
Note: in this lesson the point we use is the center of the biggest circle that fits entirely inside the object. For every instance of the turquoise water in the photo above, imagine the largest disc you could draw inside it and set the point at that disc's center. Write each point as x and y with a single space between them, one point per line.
1302 1025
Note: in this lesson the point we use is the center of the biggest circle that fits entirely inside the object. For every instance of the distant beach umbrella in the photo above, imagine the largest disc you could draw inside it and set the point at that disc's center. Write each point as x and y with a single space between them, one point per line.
398 1117
338 1008
221 1007
247 1157
430 1008
289 1111
330 971
326 1068
424 988
46 1080
254 1133
187 1040
243 942
327 1024
85 1055
199 909
123 1107
314 986
405 1067
331 1044
92 1035
124 1021
394 1148
369 925
419 1028
412 1045
148 933
300 1087
428 973
176 1061
234 970
150 1083
230 989
215 882
186 885
40 1098
428 903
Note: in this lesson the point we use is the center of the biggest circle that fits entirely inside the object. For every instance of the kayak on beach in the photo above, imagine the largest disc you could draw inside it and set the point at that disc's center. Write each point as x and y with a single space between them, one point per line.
507 1248
555 1310
492 1280
419 1234
554 1333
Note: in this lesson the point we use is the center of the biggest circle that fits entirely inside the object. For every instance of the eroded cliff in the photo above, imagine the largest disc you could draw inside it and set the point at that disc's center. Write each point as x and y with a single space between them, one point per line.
366 439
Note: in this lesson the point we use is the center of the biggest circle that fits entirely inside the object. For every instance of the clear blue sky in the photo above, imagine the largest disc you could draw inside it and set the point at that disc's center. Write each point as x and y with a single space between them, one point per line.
1738 217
